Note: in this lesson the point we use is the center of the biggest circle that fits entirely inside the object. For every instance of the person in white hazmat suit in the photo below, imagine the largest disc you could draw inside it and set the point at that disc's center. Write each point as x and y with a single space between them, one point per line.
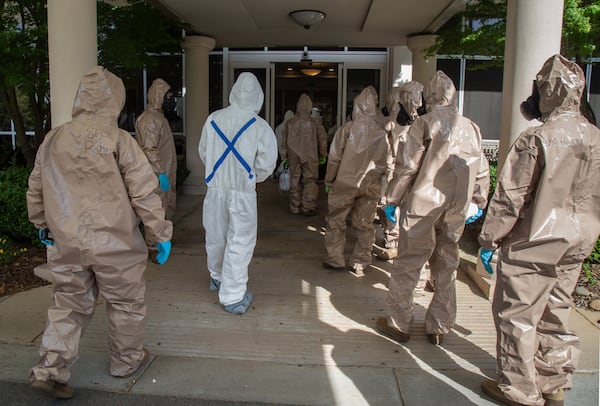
238 149
544 218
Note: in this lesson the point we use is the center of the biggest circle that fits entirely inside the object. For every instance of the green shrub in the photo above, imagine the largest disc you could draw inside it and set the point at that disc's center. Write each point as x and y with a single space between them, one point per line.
594 257
14 224
493 174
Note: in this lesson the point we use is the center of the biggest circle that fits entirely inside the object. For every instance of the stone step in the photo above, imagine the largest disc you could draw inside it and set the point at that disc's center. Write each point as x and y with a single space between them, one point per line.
472 266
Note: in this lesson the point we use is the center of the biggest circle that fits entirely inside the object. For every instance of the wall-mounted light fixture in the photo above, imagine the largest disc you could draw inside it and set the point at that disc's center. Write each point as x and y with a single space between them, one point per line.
310 71
307 18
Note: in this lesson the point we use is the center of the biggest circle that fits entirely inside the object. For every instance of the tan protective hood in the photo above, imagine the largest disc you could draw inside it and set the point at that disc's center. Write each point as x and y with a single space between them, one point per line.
410 95
561 84
392 101
358 156
246 93
101 94
156 94
439 91
304 105
365 104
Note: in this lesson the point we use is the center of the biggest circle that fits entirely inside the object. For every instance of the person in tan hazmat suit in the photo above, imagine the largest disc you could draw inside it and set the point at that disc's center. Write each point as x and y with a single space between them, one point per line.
544 217
89 188
153 133
441 173
303 148
405 99
358 158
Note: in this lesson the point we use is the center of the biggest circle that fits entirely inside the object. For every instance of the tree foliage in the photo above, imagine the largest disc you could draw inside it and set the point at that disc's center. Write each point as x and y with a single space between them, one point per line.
127 37
480 30
24 87
581 29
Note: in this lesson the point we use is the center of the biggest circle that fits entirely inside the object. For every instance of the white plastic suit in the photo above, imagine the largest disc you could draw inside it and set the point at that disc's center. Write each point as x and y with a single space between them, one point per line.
545 219
304 142
238 149
358 158
440 172
279 129
410 96
90 186
153 133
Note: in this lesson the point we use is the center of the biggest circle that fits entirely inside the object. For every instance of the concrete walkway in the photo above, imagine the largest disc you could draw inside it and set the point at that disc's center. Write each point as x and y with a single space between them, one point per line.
307 340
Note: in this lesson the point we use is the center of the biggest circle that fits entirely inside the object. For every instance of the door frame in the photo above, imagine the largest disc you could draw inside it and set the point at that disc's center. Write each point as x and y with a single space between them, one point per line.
266 59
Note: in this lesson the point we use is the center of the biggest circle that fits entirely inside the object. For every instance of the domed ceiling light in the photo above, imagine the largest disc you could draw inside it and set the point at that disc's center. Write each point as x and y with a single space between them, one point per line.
307 18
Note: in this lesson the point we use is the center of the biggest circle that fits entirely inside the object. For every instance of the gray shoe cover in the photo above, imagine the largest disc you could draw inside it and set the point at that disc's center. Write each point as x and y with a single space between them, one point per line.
214 284
242 306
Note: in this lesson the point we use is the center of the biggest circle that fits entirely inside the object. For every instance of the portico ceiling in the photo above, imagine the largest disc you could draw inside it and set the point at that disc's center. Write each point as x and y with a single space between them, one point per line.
353 23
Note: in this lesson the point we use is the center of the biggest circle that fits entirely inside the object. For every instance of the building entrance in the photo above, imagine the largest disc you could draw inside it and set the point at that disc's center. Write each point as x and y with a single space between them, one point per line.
331 78
318 80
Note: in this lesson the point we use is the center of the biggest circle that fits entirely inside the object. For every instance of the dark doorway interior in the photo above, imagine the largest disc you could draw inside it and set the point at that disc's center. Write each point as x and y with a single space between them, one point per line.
319 81
291 81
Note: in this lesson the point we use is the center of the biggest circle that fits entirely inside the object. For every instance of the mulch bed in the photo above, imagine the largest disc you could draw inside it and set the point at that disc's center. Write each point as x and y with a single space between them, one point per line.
18 276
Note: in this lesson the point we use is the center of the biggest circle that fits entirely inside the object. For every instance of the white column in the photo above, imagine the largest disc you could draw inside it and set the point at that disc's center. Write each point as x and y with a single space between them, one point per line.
533 34
424 66
196 107
72 51
401 65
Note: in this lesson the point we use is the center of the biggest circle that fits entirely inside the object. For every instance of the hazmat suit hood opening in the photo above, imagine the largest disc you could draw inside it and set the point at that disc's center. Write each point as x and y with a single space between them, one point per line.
560 83
156 94
304 105
439 91
411 98
365 104
101 94
246 93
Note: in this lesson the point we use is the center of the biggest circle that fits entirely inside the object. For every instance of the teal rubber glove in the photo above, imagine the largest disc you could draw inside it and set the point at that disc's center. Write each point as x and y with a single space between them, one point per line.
164 250
285 163
390 212
163 182
322 160
474 217
327 189
45 237
486 258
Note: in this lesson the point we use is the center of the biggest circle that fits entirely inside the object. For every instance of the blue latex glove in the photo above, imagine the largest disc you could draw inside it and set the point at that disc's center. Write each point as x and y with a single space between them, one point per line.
164 250
45 237
322 160
327 189
390 212
474 217
163 181
285 163
486 258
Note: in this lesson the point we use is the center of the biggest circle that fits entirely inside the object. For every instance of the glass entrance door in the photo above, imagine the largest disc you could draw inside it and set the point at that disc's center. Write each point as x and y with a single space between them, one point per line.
319 81
356 80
